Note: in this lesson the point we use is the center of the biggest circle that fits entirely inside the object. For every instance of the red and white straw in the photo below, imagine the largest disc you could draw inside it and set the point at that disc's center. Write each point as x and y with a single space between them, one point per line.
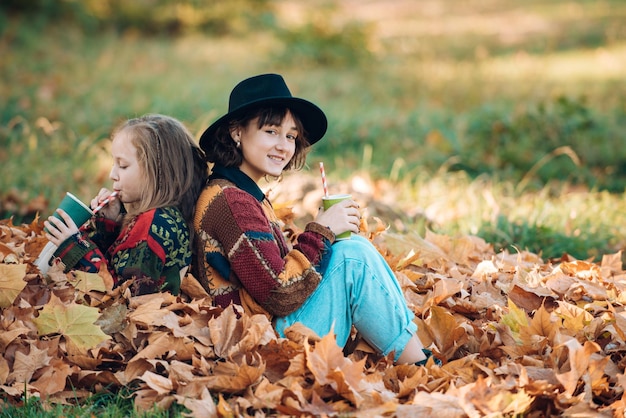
324 184
105 202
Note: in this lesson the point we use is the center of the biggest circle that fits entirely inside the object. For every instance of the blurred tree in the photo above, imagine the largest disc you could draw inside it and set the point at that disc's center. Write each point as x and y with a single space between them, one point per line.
220 17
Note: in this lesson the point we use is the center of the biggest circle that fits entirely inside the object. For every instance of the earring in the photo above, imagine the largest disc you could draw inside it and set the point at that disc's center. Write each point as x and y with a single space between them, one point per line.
238 144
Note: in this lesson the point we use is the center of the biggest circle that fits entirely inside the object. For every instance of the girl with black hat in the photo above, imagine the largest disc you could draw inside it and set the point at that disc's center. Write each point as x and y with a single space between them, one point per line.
242 256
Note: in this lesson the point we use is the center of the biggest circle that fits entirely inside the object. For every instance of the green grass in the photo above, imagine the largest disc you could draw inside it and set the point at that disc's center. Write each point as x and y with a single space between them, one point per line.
523 101
102 405
553 221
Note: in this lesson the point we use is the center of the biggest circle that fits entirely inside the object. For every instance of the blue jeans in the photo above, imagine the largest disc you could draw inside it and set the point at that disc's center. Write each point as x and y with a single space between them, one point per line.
358 288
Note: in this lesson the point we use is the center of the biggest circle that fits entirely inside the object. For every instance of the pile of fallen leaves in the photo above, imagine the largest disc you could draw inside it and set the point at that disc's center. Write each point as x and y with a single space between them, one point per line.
516 335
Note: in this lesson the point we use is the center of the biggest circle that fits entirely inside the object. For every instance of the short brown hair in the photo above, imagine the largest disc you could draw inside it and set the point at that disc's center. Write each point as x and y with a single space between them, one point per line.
223 151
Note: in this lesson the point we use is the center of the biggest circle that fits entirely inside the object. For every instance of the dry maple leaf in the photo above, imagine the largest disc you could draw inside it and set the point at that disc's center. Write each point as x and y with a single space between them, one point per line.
515 319
519 336
233 336
75 322
52 379
200 406
579 359
27 363
11 282
330 367
87 282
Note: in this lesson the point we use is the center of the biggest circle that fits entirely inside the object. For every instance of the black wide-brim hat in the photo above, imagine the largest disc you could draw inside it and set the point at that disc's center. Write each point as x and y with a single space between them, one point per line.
268 90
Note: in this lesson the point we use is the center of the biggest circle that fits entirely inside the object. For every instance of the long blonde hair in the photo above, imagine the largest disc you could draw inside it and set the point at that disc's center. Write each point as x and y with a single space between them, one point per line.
171 161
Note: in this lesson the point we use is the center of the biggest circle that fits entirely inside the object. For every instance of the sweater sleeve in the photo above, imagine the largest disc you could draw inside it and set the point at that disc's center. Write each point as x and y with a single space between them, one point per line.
151 251
279 279
85 250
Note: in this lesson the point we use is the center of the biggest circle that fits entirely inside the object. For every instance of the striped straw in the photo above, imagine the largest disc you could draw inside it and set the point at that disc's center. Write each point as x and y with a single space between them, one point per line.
105 202
324 184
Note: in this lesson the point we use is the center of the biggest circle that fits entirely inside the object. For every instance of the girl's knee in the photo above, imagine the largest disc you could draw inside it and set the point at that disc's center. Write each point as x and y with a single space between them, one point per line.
356 241
355 247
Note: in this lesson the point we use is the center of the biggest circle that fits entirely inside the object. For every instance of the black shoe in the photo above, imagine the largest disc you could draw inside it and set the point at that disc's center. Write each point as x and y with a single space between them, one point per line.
428 354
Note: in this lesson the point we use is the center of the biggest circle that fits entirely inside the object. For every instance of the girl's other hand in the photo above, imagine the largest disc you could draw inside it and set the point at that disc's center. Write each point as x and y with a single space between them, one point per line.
57 230
112 209
341 217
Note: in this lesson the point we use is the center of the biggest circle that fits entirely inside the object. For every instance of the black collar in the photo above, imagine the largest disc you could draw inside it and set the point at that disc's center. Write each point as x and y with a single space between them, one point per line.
241 180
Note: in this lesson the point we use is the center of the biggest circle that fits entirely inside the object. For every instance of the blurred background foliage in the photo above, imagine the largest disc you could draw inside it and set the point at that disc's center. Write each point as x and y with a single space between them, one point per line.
527 94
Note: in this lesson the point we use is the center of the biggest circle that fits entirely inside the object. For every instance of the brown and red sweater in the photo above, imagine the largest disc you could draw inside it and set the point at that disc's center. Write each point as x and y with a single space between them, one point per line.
241 255
151 250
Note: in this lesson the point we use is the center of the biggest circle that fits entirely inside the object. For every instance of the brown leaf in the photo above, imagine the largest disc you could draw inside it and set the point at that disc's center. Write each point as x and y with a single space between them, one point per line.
201 406
446 331
161 385
191 287
26 364
53 378
531 299
234 378
578 356
330 367
232 336
11 282
161 343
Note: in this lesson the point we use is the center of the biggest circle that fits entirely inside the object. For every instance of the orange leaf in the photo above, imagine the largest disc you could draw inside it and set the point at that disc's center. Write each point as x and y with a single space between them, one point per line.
330 367
446 331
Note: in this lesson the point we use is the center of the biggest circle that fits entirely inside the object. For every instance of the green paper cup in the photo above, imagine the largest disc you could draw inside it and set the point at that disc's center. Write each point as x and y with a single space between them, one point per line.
328 201
78 211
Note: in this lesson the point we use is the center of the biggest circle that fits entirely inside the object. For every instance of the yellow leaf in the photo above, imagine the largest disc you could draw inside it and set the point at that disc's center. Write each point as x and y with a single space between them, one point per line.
574 318
11 282
75 322
87 282
223 408
515 318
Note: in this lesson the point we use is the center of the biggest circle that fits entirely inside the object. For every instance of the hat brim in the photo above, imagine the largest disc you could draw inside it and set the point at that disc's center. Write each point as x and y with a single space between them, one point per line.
312 117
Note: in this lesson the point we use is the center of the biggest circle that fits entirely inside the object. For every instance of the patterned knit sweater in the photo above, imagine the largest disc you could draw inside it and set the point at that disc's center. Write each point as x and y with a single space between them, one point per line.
241 254
151 250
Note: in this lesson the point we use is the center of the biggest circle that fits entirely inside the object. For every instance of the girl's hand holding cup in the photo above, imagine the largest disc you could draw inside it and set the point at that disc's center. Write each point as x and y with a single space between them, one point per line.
58 230
71 214
341 214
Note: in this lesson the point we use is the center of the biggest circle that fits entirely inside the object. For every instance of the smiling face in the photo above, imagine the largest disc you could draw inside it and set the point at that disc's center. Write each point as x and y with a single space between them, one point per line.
266 150
126 173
